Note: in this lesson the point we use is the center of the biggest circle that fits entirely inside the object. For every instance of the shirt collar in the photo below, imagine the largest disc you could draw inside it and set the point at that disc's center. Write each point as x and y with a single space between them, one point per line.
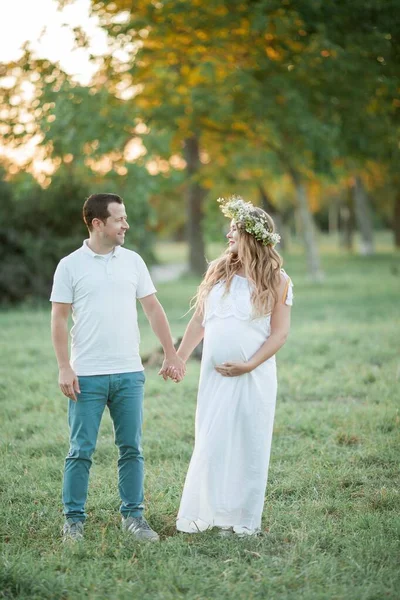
90 252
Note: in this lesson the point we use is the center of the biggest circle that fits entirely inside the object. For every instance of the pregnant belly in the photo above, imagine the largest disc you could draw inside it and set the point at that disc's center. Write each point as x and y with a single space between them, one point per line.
230 340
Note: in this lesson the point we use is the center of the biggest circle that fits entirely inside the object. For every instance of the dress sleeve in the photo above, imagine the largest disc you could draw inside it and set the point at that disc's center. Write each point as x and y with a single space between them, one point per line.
287 297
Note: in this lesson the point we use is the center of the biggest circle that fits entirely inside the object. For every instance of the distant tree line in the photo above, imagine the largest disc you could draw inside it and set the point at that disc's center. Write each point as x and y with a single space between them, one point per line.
294 105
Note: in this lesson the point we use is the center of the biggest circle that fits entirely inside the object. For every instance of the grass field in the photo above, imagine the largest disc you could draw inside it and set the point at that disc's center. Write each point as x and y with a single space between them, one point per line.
331 521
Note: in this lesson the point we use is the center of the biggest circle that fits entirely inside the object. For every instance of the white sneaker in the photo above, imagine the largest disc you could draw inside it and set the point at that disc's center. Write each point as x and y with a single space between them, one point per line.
244 532
225 532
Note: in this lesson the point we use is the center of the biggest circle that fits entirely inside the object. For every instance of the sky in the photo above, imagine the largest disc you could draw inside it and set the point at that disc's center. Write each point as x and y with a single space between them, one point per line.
44 26
49 32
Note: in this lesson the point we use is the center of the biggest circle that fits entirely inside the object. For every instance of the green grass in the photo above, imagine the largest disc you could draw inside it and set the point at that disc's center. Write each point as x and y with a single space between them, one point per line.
331 518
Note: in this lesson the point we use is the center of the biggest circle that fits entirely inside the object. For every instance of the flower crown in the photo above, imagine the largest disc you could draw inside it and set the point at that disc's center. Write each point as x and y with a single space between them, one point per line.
242 212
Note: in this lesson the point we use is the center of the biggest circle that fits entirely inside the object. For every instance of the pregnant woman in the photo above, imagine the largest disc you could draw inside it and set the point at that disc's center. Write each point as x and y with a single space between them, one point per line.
242 310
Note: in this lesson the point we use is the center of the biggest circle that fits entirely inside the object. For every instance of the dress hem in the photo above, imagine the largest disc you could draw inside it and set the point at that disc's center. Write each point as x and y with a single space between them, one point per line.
197 525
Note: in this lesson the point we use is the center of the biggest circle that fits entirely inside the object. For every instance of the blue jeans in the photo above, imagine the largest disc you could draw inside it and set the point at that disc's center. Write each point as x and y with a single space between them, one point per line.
123 394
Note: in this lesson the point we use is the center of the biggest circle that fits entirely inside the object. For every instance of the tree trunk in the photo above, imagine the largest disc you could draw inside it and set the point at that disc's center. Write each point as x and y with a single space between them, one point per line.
363 218
308 229
346 220
333 217
194 205
267 205
396 220
346 227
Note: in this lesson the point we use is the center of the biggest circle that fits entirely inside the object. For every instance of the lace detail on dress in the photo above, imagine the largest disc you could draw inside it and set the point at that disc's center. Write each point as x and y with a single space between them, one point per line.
236 303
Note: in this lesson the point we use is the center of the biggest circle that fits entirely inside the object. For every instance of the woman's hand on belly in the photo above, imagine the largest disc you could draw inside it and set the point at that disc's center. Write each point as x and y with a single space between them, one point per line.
233 369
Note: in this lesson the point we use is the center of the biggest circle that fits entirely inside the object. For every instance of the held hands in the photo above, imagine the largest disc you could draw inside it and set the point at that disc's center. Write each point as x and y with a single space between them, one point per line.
68 382
174 368
234 369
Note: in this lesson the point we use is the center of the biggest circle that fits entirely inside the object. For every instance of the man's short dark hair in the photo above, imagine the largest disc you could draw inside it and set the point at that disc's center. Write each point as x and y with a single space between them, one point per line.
96 207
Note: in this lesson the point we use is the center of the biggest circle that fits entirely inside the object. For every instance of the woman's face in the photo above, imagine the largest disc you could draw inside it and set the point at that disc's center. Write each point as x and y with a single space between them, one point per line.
233 238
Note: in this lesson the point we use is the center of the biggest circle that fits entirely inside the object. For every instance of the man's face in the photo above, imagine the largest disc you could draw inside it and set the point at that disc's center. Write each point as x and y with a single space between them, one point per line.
114 229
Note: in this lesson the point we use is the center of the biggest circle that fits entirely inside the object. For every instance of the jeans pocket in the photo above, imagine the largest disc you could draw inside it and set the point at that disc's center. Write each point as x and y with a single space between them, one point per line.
142 378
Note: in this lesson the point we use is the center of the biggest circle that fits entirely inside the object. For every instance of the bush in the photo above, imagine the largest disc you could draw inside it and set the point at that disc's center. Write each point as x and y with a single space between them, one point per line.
38 227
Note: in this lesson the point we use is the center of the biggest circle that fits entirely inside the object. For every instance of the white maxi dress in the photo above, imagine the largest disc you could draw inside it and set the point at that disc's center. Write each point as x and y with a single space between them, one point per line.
227 477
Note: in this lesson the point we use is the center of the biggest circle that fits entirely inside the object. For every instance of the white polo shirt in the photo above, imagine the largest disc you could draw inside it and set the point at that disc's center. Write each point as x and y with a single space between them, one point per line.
103 291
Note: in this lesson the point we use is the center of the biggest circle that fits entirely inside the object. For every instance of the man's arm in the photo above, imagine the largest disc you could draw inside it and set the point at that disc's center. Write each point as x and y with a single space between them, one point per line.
67 379
159 324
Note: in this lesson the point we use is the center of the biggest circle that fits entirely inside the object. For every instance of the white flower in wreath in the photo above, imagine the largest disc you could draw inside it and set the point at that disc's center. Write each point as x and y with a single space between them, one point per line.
242 212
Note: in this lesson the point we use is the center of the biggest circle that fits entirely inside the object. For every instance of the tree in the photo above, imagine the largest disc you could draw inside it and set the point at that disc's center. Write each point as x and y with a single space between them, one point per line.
83 132
230 84
172 54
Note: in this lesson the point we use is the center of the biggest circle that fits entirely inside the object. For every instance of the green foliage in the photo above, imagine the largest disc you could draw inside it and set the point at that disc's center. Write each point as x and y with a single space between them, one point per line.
40 226
269 88
331 525
84 121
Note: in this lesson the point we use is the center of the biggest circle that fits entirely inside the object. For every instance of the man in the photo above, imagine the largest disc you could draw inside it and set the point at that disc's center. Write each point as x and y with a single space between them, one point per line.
100 283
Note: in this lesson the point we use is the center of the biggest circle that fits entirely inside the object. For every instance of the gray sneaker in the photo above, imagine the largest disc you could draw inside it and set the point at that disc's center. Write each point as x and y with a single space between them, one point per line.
140 529
73 531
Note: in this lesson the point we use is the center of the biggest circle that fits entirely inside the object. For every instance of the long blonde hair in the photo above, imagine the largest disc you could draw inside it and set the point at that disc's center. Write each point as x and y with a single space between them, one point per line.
262 265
